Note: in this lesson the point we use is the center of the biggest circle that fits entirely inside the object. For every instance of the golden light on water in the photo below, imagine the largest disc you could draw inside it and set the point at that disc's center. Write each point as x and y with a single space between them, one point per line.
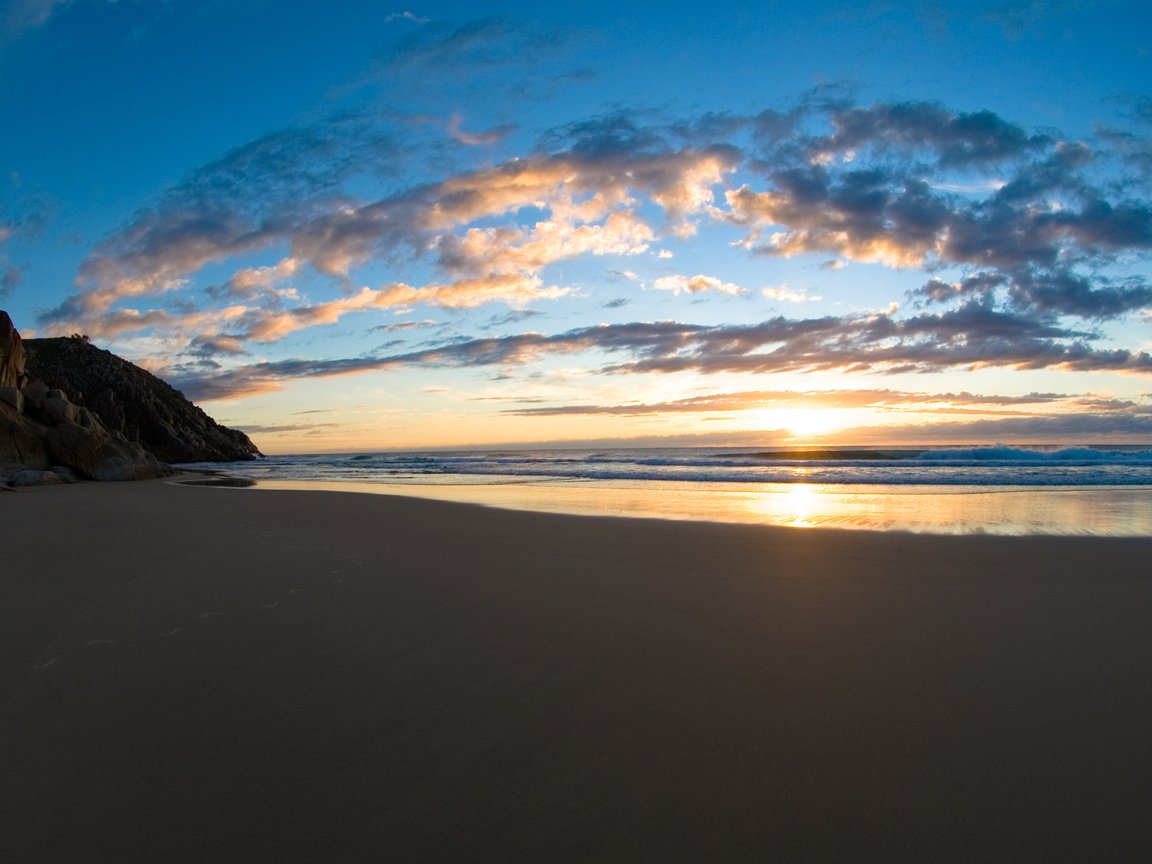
962 510
799 506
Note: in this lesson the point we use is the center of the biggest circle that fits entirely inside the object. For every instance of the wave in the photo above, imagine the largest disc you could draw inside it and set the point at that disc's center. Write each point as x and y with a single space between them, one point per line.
1016 455
998 465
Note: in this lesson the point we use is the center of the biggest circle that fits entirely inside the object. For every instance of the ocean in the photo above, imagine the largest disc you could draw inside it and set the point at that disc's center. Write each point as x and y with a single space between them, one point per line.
1104 490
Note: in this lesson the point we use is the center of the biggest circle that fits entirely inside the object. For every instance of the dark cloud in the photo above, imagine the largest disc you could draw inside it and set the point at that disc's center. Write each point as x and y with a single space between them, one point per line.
297 164
10 276
482 42
404 325
516 316
1080 295
972 336
213 346
1056 291
879 188
1062 427
608 136
1018 17
17 16
949 138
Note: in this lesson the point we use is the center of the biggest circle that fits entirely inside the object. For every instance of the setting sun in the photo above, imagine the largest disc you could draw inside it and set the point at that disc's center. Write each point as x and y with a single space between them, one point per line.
803 422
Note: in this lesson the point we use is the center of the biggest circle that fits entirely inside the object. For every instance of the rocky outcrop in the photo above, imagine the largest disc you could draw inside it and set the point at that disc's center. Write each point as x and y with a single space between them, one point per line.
52 436
134 403
73 410
11 353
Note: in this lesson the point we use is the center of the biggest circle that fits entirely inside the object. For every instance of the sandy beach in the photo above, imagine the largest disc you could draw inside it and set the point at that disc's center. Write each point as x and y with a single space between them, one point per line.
196 674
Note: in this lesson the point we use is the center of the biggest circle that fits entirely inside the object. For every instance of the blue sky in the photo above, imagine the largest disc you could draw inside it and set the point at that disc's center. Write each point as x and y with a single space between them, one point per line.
356 225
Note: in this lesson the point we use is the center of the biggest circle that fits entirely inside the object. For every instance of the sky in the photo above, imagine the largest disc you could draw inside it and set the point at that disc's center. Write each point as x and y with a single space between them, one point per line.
364 226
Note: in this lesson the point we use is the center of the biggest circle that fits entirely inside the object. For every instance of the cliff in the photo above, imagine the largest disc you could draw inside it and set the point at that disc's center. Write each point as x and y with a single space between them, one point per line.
134 402
73 408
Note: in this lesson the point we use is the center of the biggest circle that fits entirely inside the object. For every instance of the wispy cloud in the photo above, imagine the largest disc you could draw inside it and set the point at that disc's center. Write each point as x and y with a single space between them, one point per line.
10 274
970 337
18 16
406 16
893 401
788 295
695 285
476 139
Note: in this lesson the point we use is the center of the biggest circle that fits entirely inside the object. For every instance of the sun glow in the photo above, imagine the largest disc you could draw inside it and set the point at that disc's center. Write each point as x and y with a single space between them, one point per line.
803 422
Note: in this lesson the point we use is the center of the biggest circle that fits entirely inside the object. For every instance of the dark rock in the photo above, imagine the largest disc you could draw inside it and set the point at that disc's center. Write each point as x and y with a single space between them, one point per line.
21 440
94 453
33 477
34 391
129 430
14 396
67 473
132 402
12 354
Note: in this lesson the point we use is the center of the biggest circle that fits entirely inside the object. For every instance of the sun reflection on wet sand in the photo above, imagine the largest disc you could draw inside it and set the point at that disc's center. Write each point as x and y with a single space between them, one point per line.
797 507
1110 511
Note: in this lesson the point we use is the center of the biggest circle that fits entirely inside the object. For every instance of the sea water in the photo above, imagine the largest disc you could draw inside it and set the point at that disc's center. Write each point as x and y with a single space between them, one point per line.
1105 490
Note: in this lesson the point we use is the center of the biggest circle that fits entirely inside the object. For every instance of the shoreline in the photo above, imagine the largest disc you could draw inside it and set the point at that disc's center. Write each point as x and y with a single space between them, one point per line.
1101 511
202 674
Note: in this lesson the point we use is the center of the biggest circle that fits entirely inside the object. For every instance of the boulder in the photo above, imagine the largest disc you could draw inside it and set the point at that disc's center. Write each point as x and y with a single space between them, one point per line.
98 454
57 410
32 477
21 441
34 391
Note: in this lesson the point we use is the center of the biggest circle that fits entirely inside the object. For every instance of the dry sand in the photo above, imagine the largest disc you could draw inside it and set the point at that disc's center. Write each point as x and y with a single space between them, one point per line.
207 675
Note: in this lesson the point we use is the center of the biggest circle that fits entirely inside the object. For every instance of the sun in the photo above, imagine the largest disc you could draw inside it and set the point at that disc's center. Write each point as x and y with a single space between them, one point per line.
812 422
802 422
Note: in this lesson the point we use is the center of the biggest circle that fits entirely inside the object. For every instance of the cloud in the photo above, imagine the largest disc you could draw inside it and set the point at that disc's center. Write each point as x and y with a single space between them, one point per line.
406 16
18 16
476 139
474 45
255 196
1057 290
695 285
1062 427
788 295
404 325
10 274
970 337
1019 16
587 199
1024 238
279 429
877 189
951 139
256 280
881 400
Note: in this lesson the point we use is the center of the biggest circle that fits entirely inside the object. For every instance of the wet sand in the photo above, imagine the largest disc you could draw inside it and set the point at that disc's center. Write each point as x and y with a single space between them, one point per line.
211 674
